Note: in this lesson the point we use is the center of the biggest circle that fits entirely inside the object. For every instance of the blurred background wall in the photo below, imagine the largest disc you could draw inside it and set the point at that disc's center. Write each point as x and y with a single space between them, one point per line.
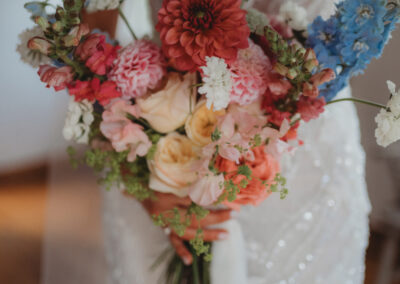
27 110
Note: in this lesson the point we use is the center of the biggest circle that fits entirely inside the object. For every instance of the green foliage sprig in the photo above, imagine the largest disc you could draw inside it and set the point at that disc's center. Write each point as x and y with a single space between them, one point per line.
178 223
115 170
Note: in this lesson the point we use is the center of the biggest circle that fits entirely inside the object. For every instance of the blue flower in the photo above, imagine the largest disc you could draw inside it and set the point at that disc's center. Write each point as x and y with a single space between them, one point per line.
325 33
357 15
349 40
357 49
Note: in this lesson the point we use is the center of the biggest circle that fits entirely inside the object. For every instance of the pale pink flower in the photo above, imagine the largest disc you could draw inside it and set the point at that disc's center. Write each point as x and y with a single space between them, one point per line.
122 132
132 138
55 77
138 68
207 189
249 74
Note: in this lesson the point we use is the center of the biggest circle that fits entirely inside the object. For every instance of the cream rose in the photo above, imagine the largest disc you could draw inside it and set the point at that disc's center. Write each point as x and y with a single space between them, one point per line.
200 125
168 109
171 169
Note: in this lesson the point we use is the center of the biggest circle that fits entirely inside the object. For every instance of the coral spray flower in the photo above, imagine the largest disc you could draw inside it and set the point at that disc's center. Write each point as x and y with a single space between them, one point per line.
264 167
310 108
139 67
58 78
94 90
97 53
190 30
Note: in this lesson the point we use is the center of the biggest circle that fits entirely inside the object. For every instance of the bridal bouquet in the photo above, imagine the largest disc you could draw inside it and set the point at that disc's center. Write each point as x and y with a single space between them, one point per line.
208 114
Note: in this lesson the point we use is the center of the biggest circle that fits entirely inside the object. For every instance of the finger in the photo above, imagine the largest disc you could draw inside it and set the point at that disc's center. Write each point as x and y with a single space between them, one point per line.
213 218
209 235
181 249
173 200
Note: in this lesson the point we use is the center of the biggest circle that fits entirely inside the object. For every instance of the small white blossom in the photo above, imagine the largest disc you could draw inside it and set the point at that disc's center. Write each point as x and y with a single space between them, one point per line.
100 5
388 120
33 58
394 102
256 21
217 81
294 15
78 121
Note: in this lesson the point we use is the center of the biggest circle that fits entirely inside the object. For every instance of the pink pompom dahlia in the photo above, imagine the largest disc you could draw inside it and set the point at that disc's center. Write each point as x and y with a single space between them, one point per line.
191 30
249 74
138 68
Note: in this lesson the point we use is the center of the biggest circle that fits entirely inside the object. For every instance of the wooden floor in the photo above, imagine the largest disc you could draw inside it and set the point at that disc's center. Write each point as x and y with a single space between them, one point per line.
22 204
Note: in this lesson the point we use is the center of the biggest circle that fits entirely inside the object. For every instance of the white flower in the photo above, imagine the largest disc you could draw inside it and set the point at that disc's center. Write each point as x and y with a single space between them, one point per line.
256 21
33 58
78 121
294 15
394 102
388 120
217 83
99 5
388 130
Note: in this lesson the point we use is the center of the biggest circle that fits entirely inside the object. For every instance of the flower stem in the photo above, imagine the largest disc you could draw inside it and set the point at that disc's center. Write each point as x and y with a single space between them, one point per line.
127 23
196 276
357 101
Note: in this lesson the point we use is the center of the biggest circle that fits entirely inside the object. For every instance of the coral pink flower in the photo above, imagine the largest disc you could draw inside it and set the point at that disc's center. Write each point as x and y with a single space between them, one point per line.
207 189
97 54
190 30
139 67
310 108
250 74
264 167
311 89
58 78
94 90
122 133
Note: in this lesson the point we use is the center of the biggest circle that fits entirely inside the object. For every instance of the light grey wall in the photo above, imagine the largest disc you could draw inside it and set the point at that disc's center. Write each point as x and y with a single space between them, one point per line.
27 108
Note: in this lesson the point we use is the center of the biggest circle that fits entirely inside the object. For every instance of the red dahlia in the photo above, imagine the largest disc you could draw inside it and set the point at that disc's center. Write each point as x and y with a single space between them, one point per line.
190 30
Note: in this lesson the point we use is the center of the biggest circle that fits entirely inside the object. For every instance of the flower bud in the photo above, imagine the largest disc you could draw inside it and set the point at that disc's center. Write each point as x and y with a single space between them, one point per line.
309 65
75 35
40 44
42 22
57 26
281 69
292 74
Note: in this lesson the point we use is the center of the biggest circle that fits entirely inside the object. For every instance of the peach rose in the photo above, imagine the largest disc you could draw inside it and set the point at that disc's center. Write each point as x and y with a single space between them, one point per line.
171 169
200 125
264 167
168 109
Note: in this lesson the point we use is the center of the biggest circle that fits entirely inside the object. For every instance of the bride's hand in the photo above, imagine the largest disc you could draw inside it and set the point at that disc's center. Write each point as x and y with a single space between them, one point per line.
165 202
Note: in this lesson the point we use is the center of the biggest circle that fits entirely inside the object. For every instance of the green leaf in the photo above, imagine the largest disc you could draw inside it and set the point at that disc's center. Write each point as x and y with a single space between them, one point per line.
216 135
245 171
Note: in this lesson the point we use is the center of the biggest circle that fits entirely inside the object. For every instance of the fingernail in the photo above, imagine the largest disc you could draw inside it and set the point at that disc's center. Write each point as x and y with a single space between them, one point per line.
223 236
234 214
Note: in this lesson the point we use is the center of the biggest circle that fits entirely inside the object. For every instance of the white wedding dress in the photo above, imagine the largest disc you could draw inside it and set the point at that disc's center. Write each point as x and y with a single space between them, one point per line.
318 234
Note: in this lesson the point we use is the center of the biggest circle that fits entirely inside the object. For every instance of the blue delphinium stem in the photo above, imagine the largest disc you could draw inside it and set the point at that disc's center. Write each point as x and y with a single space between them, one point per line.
348 40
